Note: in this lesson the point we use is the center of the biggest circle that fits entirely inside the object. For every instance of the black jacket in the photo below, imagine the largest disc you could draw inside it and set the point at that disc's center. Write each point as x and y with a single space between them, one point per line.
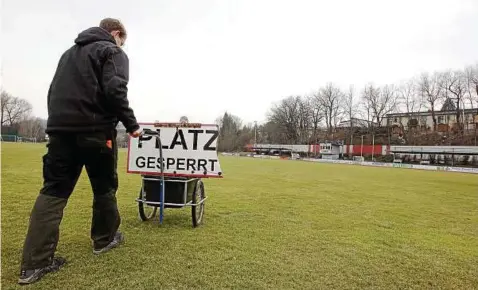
89 90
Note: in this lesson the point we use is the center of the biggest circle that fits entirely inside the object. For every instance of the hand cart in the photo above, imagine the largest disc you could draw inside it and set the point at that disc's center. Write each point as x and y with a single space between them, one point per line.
169 192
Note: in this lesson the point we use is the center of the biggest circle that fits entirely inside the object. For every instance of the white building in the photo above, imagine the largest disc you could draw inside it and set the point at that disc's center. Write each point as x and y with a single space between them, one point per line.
330 150
356 123
446 118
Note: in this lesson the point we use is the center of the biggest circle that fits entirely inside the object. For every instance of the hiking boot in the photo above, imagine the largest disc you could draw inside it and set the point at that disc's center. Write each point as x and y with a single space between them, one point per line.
32 276
117 240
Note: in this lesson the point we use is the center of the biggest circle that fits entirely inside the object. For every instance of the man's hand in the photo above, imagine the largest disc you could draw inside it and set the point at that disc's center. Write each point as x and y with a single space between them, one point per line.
136 133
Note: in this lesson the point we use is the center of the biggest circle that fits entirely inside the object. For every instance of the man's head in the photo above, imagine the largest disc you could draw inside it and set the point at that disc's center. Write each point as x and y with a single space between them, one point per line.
116 28
183 119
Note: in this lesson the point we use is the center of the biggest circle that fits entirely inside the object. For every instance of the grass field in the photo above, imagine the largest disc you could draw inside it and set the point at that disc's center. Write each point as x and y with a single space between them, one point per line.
268 224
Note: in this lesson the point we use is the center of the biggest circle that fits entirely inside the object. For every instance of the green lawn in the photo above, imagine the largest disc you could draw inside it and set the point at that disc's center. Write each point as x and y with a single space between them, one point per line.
268 224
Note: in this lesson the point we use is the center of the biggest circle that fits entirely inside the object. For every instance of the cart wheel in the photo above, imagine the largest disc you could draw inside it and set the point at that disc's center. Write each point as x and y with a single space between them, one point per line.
146 212
198 211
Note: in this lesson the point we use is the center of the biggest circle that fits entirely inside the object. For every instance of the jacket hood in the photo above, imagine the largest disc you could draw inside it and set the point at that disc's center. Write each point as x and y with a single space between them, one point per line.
94 34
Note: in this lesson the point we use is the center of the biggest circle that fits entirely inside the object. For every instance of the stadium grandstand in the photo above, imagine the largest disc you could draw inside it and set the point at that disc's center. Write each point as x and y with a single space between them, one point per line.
336 150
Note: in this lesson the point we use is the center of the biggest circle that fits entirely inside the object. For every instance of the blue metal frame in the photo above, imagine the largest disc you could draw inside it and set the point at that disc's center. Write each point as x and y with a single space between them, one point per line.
161 199
162 188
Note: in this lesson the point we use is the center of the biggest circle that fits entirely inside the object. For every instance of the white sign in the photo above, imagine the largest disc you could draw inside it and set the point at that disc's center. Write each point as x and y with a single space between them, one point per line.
189 150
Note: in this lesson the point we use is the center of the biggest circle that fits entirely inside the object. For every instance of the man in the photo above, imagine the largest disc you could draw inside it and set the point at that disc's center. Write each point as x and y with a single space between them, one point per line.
86 100
184 120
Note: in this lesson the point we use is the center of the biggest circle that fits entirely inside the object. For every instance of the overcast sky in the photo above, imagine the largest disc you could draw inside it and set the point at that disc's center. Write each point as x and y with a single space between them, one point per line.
201 58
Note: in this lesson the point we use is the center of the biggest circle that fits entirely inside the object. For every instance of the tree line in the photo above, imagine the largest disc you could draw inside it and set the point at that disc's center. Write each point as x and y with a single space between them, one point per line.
313 118
331 112
17 118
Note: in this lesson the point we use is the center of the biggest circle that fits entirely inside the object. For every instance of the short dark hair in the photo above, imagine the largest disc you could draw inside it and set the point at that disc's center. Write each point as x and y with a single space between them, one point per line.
111 24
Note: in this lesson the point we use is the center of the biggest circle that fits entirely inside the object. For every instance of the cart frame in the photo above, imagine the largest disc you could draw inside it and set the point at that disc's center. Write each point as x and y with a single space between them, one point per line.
190 192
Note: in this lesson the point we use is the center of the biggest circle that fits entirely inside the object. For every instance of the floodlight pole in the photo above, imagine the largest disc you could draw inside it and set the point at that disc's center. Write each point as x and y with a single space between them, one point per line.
255 133
373 145
361 149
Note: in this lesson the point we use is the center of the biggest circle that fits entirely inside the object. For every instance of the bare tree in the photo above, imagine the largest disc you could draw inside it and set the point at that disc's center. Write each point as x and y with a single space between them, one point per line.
271 133
454 83
369 93
286 114
244 136
474 80
297 118
14 109
5 101
409 97
331 100
33 128
380 101
229 131
365 111
471 76
411 101
316 115
350 108
305 120
431 90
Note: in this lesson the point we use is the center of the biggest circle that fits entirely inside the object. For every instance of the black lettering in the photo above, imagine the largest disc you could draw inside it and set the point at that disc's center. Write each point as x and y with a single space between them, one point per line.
207 146
195 139
191 163
212 163
158 163
180 134
150 162
180 162
157 141
140 165
143 138
202 163
170 162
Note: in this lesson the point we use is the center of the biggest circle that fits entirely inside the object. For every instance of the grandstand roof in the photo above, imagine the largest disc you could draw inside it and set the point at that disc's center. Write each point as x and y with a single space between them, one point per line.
446 150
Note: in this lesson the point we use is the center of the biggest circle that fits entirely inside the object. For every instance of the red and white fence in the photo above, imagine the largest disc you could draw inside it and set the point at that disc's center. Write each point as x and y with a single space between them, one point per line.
357 150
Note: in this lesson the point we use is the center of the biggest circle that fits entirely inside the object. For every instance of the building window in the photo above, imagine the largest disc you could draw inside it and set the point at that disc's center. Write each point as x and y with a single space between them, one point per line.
423 120
395 120
441 119
469 118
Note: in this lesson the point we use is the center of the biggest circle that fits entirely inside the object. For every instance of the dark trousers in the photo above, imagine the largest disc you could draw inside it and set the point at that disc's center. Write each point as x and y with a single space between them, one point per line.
62 166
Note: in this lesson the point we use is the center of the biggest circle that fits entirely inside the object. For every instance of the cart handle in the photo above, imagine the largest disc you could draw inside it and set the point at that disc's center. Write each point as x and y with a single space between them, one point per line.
149 132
